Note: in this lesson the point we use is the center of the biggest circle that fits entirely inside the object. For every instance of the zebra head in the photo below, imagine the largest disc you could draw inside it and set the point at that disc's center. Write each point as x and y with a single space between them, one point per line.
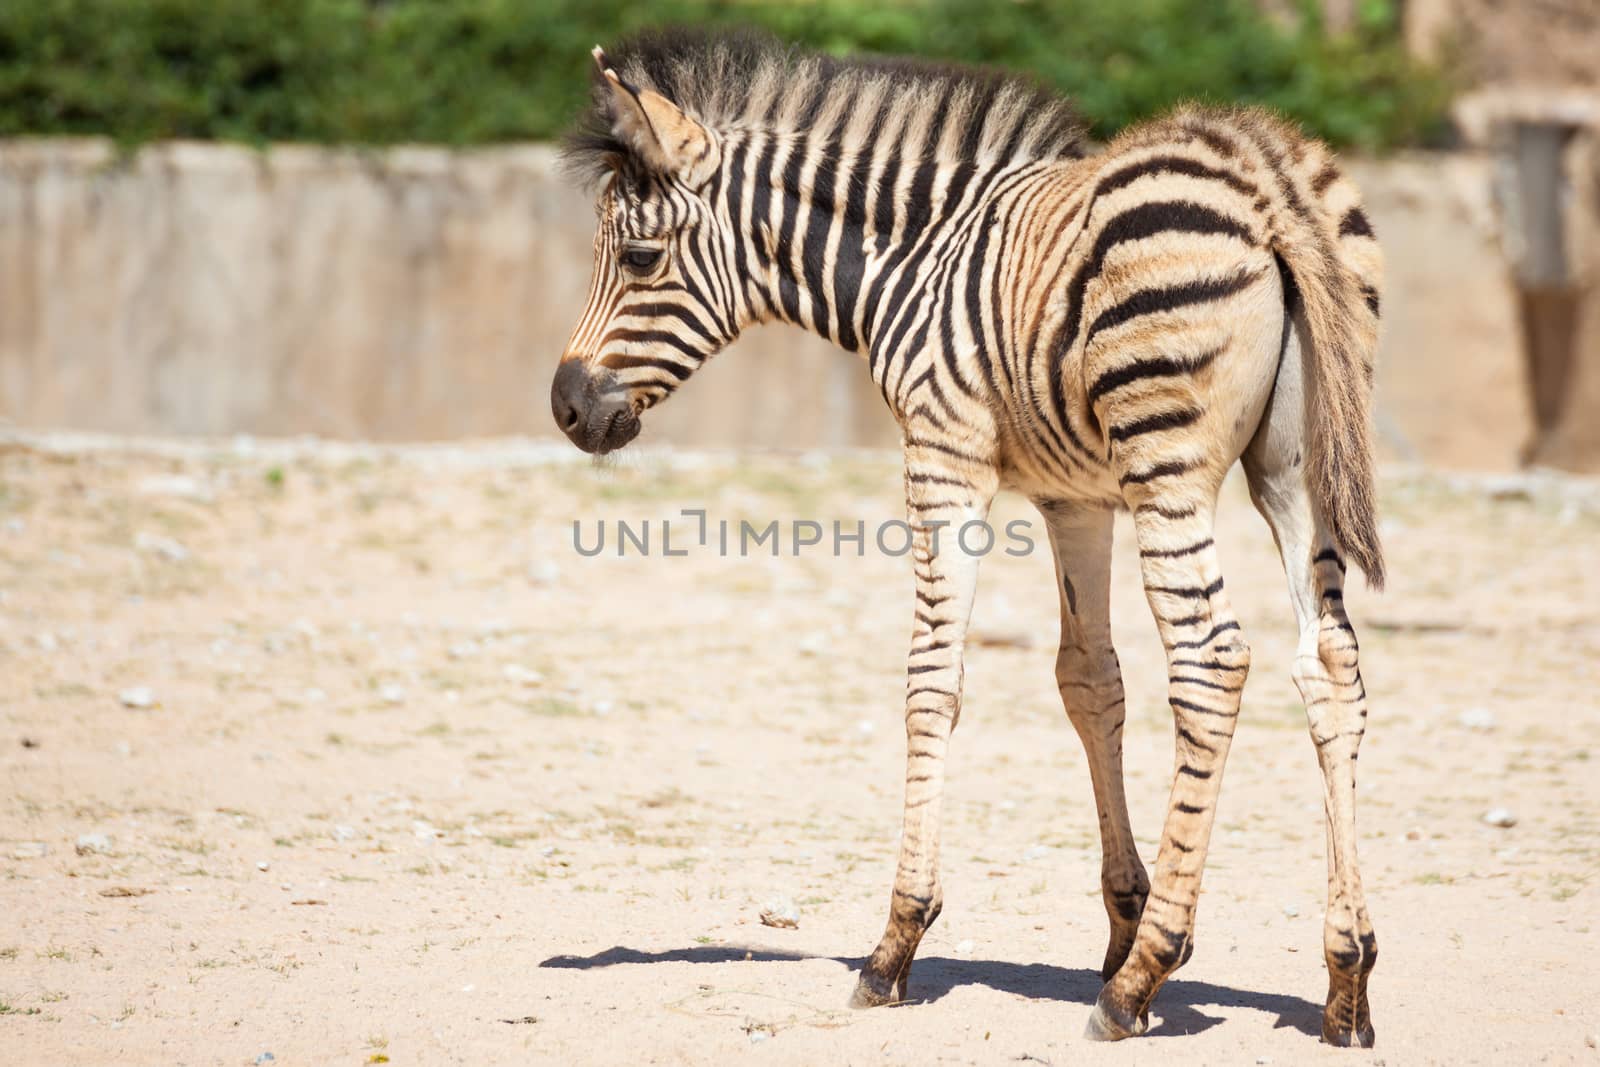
661 301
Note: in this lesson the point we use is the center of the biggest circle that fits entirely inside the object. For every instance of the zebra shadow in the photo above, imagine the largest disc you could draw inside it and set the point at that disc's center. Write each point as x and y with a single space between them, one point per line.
1177 1011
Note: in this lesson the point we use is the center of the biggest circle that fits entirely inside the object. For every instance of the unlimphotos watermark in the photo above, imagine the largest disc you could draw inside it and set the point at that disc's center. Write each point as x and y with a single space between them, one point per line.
795 537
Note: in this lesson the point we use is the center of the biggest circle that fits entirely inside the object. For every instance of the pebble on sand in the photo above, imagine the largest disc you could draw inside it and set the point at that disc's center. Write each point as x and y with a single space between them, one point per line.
93 845
517 674
393 693
1501 817
167 548
177 485
30 850
138 696
781 912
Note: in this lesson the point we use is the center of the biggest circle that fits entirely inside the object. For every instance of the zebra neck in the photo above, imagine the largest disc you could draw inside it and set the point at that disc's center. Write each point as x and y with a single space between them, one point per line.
842 242
838 241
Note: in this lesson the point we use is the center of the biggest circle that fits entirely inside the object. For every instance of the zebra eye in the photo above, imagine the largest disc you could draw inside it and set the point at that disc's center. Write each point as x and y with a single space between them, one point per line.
641 260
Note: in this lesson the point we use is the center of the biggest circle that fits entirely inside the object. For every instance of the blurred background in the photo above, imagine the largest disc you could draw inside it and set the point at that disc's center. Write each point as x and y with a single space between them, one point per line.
343 217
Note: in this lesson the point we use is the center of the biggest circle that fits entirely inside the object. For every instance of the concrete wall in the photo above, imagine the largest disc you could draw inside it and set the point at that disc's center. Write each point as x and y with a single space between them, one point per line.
425 294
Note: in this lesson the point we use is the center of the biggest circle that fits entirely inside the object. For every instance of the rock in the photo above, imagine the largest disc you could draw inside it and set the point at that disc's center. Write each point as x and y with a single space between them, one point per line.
265 1057
517 674
1414 834
964 947
176 485
263 866
30 850
94 845
423 830
1477 719
392 693
1036 852
782 913
1291 910
345 833
140 697
1592 1040
757 1036
167 548
464 650
1501 817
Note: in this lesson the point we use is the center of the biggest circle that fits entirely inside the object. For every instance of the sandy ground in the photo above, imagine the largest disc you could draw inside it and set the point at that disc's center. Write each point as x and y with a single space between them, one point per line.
417 783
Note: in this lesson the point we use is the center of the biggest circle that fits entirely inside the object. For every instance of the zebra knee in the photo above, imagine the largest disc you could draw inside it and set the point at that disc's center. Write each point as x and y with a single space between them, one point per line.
1090 681
1231 652
1331 663
1220 664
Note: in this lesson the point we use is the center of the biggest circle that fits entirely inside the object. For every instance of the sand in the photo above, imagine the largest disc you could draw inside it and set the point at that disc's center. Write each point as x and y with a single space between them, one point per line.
343 754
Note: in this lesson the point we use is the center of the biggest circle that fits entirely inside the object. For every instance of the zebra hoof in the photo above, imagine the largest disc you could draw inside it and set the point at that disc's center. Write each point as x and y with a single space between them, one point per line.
868 994
1106 1023
1346 1019
1363 1037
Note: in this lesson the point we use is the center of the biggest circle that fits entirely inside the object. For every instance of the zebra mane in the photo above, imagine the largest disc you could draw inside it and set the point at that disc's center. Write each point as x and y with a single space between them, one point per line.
741 79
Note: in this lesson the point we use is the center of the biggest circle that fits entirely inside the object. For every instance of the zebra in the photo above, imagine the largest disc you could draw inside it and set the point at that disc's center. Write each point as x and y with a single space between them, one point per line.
1098 332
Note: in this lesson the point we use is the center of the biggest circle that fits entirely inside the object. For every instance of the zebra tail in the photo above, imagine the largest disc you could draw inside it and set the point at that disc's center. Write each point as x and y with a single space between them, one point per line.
1325 239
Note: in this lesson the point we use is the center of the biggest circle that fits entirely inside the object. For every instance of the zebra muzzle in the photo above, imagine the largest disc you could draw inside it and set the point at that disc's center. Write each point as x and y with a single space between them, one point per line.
592 415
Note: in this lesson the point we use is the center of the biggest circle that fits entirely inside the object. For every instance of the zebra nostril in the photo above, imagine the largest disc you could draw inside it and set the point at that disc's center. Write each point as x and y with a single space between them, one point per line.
569 396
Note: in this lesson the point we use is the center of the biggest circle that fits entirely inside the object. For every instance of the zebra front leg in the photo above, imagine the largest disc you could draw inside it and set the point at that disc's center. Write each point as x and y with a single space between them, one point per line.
1207 660
939 501
1090 680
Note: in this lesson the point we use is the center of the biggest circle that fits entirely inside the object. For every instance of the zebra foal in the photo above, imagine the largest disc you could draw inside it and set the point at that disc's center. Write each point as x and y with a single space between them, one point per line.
1096 333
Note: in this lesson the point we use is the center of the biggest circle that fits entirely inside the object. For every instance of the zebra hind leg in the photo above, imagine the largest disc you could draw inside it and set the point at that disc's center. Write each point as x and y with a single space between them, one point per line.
1328 674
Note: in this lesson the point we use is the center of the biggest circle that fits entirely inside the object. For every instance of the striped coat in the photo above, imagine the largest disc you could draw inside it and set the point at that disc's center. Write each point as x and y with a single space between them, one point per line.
1096 332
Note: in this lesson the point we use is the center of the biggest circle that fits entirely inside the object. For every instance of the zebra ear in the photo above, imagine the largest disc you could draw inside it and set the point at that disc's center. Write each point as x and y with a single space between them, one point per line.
660 134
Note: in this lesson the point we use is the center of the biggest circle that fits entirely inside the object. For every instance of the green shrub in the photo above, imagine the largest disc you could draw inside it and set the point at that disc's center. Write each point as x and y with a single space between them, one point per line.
483 71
